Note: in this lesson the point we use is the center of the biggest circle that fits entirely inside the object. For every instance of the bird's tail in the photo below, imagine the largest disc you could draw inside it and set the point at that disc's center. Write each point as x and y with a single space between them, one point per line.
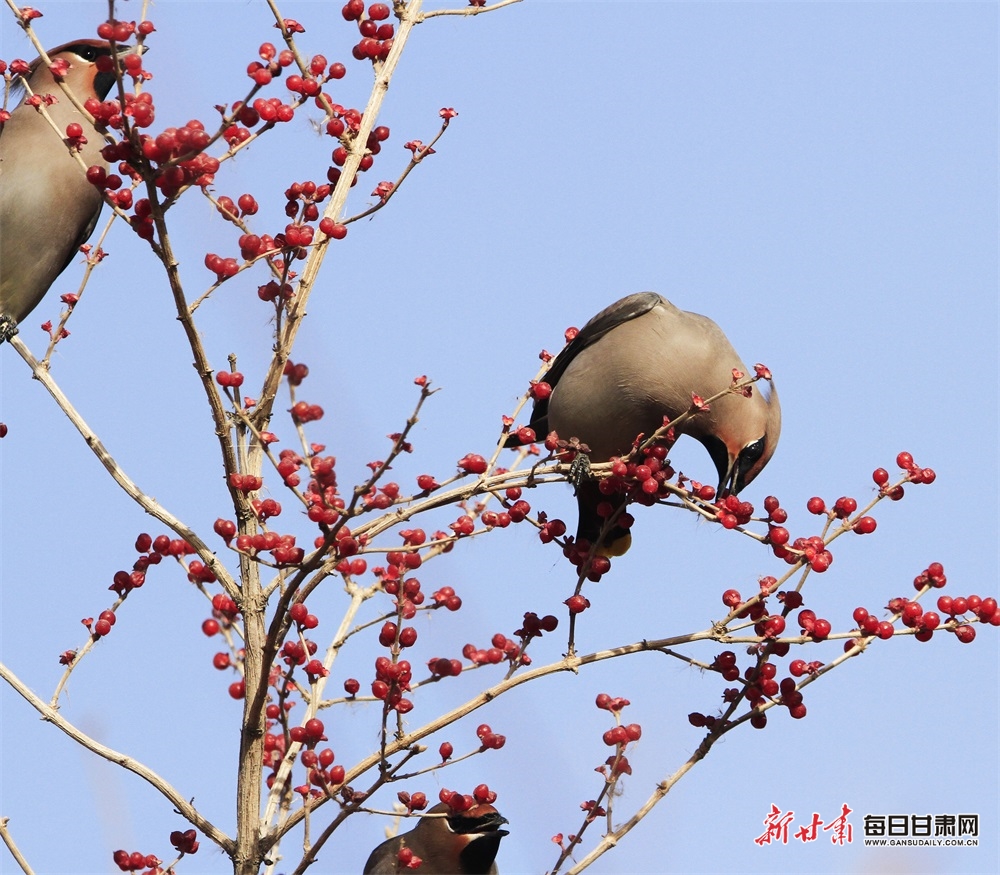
616 540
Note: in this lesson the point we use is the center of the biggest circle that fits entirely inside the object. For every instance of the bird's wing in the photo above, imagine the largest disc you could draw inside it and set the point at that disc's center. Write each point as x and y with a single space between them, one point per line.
384 859
622 311
83 237
609 318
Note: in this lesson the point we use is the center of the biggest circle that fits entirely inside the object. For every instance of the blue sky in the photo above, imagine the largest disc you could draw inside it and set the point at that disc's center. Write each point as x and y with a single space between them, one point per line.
819 178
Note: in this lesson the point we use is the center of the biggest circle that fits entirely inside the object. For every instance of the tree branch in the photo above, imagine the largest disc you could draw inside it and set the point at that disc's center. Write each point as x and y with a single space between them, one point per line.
184 808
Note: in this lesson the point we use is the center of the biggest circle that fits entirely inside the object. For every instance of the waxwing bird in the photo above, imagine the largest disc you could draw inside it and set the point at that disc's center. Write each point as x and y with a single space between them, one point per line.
636 362
464 843
47 207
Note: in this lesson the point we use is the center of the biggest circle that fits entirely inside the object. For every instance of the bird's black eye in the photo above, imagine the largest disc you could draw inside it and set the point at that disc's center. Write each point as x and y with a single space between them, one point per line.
745 462
87 53
751 453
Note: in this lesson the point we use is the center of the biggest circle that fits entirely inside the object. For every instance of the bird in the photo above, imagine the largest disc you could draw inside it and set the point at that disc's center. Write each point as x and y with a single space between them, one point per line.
460 843
637 361
48 209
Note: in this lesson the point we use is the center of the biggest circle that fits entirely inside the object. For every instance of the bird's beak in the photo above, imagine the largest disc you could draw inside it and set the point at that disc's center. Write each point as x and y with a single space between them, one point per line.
486 824
726 464
491 823
728 480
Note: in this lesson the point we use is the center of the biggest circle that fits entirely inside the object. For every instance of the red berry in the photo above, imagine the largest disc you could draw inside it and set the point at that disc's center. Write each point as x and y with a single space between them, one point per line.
427 482
333 229
778 535
965 633
387 636
816 505
472 463
865 526
845 506
774 626
821 561
731 598
540 391
821 628
353 10
791 600
930 620
314 729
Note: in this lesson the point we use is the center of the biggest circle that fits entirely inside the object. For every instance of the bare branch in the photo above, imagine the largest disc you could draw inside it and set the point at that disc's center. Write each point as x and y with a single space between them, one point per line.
15 851
184 808
468 10
148 504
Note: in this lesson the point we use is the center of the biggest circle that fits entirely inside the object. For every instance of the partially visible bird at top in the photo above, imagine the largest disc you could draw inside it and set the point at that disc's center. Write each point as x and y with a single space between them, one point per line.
48 209
464 843
634 363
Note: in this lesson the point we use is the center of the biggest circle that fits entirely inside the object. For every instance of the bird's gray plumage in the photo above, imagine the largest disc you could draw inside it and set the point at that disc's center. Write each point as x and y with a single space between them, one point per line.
48 209
463 843
634 363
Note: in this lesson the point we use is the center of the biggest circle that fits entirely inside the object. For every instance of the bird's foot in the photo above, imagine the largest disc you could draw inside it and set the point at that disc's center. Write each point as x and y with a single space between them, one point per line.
579 470
8 327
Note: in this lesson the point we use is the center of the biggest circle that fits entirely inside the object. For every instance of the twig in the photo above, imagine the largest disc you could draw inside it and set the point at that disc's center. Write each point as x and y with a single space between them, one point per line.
417 158
469 10
184 808
334 210
148 504
15 852
92 262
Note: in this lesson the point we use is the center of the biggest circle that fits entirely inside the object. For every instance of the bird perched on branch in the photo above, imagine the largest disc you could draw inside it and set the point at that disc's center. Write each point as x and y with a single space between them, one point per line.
48 209
636 362
462 843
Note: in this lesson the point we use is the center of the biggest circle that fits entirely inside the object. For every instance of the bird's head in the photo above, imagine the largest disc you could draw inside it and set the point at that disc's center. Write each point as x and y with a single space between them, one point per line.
90 73
745 437
472 837
480 820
